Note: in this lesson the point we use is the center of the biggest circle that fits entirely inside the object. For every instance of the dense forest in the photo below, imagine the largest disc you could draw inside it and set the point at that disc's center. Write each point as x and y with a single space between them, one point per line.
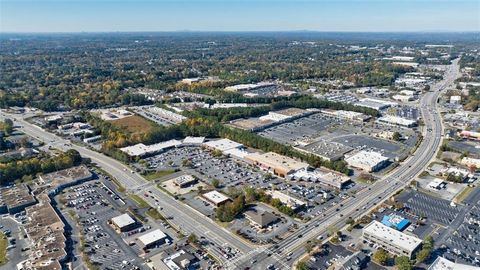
43 164
86 71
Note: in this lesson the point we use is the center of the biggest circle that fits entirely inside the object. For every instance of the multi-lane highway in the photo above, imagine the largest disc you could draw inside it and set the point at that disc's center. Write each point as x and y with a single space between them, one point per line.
190 221
292 247
184 217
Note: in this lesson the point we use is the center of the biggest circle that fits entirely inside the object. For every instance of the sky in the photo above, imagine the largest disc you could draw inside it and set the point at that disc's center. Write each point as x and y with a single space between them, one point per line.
239 15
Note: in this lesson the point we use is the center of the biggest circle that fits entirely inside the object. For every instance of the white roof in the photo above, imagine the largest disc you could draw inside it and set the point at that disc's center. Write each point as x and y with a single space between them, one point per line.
238 153
193 140
393 236
397 120
142 149
436 182
152 237
366 158
123 220
223 144
443 264
215 197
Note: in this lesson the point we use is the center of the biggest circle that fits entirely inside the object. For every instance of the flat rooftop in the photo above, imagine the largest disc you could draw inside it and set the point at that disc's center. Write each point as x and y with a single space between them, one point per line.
275 160
291 112
391 235
16 196
327 149
123 220
366 158
67 175
223 144
152 237
215 197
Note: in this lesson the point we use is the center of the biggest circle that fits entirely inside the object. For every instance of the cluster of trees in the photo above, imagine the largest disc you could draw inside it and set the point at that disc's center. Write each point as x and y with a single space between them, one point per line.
89 71
17 169
7 126
115 138
253 195
381 256
456 178
228 211
426 251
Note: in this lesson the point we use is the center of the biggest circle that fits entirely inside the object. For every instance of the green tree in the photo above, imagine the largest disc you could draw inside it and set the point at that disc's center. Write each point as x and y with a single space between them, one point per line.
403 263
8 126
381 256
192 238
396 136
216 183
302 266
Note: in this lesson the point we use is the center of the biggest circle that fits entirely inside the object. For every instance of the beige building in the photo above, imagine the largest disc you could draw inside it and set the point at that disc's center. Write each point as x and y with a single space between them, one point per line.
276 163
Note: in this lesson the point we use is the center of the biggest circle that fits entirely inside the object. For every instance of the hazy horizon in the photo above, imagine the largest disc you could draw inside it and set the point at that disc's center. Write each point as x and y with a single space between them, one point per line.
369 16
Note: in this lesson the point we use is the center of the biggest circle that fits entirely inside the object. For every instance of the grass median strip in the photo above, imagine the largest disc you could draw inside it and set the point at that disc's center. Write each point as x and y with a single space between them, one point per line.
464 194
3 248
156 175
139 201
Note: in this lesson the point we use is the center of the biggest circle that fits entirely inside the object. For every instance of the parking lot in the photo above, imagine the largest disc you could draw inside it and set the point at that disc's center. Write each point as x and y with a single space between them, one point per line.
93 206
301 129
351 134
17 246
228 171
463 243
435 209
266 235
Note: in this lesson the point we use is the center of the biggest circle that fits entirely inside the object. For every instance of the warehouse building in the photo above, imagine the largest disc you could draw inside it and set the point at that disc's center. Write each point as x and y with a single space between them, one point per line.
347 115
327 150
397 121
285 114
223 145
193 140
152 239
393 241
376 104
249 87
368 161
141 150
276 163
216 198
123 223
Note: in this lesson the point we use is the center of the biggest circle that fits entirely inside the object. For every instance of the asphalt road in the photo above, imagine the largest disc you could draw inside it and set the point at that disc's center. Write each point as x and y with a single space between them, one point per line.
189 220
293 246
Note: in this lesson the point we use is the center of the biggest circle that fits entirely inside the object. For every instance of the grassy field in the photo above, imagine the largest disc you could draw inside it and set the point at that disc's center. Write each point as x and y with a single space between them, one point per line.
159 174
139 201
133 124
3 248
